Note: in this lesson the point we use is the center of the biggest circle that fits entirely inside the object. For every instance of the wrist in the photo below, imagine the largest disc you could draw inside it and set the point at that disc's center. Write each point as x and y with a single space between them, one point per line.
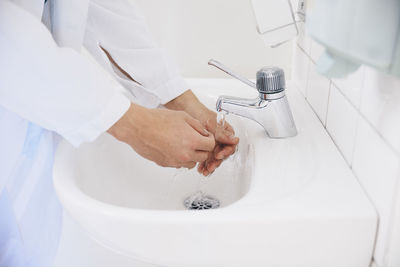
181 102
128 125
189 103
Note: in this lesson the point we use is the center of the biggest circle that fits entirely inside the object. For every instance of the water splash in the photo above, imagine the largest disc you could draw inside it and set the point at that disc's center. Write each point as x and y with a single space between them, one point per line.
204 181
179 172
221 122
200 198
221 118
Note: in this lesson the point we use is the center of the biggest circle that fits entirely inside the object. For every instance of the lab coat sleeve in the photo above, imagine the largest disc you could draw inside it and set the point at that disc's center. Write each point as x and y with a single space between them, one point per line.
56 88
119 28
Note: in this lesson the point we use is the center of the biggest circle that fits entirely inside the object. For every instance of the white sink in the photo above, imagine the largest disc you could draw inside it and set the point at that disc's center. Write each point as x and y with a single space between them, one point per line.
112 172
284 202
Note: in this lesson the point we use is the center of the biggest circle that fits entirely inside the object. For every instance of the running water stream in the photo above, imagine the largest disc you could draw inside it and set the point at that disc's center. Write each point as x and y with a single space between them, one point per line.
199 200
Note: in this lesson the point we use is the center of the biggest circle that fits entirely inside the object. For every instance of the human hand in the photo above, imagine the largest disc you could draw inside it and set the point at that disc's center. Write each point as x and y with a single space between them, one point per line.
225 145
169 138
226 142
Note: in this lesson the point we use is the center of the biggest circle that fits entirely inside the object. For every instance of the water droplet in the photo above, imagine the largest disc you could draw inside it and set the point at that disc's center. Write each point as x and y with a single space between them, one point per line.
179 172
221 119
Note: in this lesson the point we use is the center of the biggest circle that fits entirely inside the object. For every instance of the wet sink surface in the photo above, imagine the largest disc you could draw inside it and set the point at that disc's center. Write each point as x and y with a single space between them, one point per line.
284 202
112 172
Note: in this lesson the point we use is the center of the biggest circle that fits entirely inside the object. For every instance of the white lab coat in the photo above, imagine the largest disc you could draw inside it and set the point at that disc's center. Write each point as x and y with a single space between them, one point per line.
47 86
59 89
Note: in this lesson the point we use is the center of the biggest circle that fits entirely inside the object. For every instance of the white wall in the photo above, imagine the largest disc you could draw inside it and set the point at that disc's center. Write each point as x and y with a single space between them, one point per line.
196 30
361 113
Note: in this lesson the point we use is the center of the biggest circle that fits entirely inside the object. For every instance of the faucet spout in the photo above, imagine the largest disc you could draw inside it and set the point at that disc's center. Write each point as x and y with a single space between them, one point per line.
271 109
273 115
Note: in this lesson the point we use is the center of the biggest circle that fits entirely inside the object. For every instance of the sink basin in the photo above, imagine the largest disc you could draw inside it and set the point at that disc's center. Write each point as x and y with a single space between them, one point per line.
283 202
111 172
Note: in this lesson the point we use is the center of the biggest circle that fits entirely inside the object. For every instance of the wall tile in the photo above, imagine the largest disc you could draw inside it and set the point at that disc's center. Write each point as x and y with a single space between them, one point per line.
369 142
303 40
380 103
393 256
377 169
341 123
300 69
351 86
316 50
318 93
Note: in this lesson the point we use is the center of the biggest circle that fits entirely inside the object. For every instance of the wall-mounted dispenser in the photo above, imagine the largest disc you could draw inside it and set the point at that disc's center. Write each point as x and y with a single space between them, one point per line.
277 19
356 32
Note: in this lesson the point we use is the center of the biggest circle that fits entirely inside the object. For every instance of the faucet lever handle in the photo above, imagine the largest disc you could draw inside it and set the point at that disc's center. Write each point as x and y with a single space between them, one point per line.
228 71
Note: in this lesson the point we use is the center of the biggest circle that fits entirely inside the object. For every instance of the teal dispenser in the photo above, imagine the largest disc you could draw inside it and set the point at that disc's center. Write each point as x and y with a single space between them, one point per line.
356 32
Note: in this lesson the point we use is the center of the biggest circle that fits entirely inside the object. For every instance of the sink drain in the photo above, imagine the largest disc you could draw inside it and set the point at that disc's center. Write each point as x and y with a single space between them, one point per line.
201 202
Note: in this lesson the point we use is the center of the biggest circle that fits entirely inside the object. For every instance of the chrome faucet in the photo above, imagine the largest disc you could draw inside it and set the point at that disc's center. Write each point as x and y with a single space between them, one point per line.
270 109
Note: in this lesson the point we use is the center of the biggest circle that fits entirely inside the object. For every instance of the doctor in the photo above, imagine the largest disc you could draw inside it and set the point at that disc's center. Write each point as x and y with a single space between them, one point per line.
49 89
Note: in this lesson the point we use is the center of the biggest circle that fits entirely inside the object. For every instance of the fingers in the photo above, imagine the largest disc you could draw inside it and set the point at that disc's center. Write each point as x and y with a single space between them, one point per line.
220 153
229 128
226 137
225 151
201 166
211 125
197 126
206 173
200 156
217 150
206 142
189 165
211 166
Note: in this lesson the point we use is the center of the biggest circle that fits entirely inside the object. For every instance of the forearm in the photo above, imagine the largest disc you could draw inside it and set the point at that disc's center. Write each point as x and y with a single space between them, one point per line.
127 128
189 103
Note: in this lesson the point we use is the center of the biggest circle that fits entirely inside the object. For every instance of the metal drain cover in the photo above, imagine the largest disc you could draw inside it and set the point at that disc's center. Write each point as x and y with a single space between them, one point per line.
199 201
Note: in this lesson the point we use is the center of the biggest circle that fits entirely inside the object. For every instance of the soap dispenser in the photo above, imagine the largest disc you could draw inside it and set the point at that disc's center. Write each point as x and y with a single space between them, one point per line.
356 32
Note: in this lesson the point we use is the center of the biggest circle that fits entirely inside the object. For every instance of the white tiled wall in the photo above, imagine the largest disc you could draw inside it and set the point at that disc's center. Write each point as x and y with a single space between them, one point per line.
318 88
361 113
341 123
